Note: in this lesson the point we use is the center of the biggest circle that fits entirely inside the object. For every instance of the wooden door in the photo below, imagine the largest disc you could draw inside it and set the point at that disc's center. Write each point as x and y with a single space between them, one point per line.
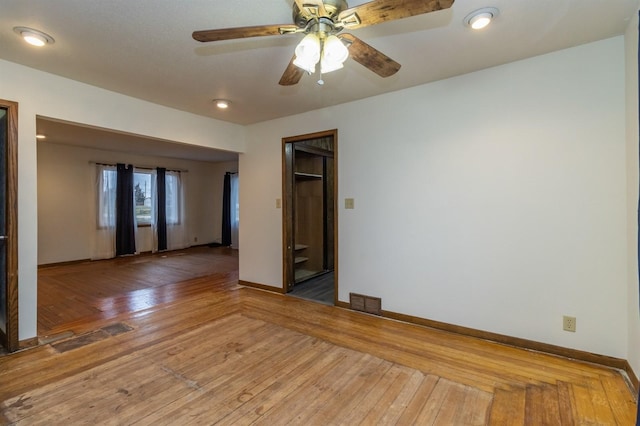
288 214
8 225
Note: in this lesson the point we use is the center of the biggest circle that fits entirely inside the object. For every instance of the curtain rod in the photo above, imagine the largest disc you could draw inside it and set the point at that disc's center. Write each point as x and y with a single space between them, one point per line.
139 167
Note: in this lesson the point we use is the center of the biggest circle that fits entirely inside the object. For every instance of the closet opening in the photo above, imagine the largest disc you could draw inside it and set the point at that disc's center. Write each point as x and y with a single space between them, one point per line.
310 216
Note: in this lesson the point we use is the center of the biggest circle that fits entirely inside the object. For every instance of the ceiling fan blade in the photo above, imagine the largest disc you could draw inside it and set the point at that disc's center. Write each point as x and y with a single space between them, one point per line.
370 57
291 75
378 11
243 32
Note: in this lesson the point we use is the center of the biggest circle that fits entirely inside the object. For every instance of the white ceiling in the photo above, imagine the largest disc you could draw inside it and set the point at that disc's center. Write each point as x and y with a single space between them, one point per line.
144 48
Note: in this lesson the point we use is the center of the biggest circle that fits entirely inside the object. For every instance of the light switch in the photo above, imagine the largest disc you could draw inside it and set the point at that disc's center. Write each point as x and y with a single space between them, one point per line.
349 203
278 203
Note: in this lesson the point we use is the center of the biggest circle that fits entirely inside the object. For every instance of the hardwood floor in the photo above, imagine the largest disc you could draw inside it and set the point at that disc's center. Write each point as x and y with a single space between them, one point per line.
76 293
209 351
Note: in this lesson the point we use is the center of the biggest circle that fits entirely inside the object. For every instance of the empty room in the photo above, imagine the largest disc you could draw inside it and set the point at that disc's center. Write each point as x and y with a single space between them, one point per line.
319 212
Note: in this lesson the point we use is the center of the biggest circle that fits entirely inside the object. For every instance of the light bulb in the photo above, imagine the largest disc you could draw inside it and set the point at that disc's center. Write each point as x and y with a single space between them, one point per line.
480 21
222 103
34 39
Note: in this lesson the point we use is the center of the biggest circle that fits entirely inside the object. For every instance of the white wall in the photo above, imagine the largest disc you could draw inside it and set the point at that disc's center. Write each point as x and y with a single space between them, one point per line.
213 186
44 94
66 211
633 298
494 200
260 260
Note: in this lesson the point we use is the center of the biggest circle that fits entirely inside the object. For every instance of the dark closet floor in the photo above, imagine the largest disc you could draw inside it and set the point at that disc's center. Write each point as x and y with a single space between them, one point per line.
319 289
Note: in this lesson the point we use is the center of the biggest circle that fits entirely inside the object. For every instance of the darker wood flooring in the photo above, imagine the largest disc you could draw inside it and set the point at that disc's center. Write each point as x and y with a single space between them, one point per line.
319 289
200 349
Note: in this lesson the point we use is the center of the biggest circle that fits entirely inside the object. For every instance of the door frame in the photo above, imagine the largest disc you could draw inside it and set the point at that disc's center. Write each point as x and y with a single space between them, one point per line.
10 338
287 207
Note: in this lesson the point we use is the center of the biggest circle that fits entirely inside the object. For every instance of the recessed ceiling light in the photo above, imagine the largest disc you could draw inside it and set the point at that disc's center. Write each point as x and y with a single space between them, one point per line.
222 103
480 18
34 37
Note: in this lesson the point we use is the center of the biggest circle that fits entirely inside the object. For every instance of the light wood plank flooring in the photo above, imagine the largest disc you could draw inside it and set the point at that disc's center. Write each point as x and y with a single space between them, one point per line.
212 352
69 294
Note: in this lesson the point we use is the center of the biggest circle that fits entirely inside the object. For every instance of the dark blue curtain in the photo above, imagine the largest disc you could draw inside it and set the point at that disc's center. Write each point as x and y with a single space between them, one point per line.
226 211
162 208
125 223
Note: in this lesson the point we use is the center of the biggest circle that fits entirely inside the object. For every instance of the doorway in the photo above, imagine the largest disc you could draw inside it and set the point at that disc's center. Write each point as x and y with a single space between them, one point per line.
310 216
8 225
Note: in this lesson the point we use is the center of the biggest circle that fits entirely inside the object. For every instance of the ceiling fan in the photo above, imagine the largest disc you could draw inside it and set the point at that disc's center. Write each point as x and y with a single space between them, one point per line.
322 22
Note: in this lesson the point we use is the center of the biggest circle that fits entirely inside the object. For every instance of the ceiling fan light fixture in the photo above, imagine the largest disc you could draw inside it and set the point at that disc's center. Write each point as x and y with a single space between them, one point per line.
480 18
308 53
334 50
334 53
34 37
328 66
308 66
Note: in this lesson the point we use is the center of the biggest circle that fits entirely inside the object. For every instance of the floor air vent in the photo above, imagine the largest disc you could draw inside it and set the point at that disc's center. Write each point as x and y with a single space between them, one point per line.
368 304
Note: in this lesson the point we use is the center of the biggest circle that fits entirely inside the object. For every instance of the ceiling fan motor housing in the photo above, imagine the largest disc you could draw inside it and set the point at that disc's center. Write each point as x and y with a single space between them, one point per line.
332 8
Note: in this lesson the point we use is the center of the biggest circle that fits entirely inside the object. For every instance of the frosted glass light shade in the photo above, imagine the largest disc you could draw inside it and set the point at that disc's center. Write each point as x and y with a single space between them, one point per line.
308 53
333 54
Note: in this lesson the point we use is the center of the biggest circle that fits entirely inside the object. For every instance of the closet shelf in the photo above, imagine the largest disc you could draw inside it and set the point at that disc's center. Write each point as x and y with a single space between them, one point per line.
307 176
300 247
300 260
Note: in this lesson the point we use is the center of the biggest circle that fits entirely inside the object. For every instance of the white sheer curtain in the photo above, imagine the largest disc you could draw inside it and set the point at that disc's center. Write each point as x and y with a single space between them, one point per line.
176 188
154 209
235 211
104 241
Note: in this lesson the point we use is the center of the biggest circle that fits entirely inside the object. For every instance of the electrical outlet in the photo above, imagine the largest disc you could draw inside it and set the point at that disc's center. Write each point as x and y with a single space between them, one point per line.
569 323
278 203
195 239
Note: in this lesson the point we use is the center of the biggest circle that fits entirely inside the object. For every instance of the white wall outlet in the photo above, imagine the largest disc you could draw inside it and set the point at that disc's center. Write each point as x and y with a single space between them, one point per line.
569 323
278 203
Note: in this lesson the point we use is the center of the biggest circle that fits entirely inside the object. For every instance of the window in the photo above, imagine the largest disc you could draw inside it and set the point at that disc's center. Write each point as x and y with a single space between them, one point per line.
144 187
142 197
